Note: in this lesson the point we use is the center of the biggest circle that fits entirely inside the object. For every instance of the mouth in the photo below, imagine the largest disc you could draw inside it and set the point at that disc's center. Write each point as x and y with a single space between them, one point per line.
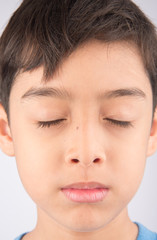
84 192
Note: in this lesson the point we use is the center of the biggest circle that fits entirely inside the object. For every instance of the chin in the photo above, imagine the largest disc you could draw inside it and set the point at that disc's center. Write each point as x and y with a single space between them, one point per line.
84 224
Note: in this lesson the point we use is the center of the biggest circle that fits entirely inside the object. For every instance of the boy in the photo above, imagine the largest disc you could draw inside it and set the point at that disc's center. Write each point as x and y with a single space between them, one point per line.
78 111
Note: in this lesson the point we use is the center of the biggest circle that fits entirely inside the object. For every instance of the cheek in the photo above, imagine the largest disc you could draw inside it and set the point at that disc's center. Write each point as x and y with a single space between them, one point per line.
38 163
129 159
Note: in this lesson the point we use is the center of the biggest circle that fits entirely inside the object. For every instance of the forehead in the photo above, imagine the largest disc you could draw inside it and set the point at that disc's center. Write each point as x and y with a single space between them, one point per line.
94 64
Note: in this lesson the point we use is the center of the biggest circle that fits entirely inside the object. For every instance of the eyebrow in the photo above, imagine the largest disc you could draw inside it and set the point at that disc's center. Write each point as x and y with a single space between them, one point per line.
133 92
63 94
46 92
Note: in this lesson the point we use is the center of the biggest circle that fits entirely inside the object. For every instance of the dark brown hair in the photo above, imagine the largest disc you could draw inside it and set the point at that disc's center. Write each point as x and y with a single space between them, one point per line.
44 32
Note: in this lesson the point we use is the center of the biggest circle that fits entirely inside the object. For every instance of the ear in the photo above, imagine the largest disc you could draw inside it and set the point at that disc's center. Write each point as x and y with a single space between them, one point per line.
152 143
6 142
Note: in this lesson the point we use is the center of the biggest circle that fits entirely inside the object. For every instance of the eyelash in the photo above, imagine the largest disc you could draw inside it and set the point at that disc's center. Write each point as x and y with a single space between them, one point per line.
123 124
50 123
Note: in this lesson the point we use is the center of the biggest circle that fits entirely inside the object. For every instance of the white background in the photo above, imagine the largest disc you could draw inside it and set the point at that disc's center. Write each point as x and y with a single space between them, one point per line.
18 212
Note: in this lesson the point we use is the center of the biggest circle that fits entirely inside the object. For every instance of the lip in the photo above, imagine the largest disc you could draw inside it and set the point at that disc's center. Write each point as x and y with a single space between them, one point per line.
85 185
82 192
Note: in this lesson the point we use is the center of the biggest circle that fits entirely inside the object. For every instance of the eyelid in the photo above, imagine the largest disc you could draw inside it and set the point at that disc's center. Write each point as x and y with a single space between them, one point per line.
44 124
124 124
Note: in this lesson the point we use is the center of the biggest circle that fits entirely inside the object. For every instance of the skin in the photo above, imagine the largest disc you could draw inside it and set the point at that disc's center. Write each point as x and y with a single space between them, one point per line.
45 155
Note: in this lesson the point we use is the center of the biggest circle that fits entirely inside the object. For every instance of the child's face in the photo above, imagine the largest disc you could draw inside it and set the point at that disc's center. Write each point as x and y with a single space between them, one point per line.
45 155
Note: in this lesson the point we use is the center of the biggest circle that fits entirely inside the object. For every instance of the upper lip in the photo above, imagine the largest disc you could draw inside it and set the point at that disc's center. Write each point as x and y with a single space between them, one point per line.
85 185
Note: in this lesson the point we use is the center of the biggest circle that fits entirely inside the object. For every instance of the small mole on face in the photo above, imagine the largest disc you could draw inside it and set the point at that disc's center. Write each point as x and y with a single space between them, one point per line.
77 128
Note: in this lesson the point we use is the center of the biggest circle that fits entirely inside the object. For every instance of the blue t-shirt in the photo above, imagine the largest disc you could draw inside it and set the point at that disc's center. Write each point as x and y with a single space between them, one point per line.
20 237
143 234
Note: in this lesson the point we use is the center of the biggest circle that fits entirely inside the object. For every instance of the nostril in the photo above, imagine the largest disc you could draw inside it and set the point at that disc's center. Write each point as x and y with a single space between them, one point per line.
96 160
75 160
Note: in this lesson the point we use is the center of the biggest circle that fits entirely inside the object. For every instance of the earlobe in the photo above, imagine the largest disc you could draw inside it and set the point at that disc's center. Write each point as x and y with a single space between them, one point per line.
6 142
152 144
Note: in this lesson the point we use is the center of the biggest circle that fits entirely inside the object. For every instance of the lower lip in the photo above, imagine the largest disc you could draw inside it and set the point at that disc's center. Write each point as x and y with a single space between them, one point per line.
85 195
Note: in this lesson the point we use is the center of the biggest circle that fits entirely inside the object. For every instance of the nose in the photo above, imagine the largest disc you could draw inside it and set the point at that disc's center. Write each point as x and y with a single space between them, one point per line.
86 148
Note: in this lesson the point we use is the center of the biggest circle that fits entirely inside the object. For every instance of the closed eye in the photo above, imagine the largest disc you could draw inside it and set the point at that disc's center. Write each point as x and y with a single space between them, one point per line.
124 124
50 123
